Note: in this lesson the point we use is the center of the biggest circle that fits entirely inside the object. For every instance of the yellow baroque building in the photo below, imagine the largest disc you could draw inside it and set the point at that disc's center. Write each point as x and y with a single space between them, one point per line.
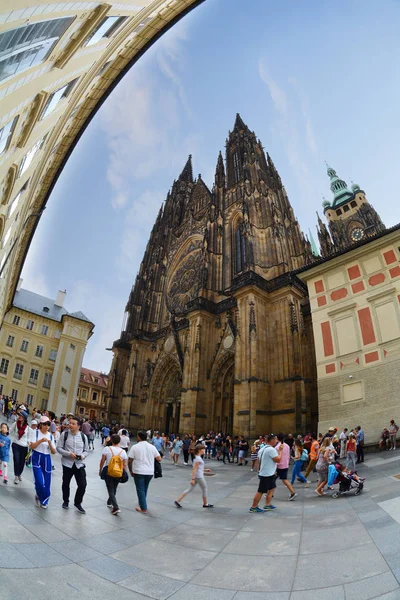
41 351
92 397
58 62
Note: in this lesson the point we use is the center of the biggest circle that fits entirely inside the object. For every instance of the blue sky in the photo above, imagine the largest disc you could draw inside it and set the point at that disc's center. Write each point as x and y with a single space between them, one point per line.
316 81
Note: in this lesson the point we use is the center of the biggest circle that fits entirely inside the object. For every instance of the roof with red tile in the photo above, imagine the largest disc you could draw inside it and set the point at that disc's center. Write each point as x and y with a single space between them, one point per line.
88 376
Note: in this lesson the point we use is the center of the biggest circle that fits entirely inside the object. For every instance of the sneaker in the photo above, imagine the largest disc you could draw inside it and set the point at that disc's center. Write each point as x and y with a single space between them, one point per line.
177 504
43 506
257 509
109 505
16 480
269 507
80 508
115 511
251 470
208 505
292 496
5 480
19 478
64 505
185 464
307 484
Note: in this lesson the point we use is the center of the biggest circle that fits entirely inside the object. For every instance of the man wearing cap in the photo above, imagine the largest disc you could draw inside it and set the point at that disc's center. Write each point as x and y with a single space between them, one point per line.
331 432
73 446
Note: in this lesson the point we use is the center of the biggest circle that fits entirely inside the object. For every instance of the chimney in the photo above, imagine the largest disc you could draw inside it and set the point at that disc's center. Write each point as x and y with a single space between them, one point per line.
59 301
20 280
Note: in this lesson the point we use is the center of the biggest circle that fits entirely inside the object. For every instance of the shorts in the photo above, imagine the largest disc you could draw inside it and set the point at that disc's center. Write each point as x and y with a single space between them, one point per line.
282 473
266 483
242 453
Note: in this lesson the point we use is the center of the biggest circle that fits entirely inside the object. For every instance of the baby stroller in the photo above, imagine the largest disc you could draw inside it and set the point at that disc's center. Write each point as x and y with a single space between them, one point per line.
345 480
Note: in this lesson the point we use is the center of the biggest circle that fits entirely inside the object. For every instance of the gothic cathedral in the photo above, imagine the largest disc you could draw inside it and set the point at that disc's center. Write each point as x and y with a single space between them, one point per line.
217 332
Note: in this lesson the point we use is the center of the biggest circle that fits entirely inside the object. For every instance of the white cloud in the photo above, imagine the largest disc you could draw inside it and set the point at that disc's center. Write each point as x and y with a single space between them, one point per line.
288 125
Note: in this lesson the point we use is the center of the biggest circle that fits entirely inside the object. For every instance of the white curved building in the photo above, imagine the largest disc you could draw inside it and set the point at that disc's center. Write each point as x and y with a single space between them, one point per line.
58 62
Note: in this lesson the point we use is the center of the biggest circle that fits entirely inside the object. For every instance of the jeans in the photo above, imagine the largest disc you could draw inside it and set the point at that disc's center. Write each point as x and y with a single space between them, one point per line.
351 460
297 472
142 484
19 454
80 478
225 454
112 484
360 452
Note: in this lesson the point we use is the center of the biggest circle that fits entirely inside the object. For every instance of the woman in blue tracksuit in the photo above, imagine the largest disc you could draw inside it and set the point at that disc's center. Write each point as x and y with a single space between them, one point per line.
42 444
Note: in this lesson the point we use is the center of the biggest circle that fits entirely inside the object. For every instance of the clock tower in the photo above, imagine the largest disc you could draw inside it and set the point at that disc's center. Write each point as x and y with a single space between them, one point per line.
351 218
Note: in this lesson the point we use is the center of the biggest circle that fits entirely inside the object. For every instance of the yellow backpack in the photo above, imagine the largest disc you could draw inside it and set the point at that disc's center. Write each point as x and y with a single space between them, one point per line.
116 465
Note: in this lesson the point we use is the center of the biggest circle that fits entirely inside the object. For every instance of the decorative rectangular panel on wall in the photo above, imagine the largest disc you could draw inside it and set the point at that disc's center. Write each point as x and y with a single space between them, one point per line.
388 321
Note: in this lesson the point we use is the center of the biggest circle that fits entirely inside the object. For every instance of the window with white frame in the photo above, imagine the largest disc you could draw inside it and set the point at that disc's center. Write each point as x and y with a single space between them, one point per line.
53 355
10 341
81 410
57 334
105 29
43 406
84 393
33 376
6 237
29 156
47 380
30 324
45 330
26 46
29 399
24 346
57 96
16 320
39 351
4 366
14 394
14 204
18 371
94 396
6 134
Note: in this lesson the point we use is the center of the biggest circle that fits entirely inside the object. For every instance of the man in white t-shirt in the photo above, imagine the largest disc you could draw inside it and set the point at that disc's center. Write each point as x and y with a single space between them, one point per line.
141 466
268 458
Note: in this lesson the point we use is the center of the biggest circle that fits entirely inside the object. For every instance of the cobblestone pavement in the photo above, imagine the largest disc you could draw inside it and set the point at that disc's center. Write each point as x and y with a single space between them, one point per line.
322 548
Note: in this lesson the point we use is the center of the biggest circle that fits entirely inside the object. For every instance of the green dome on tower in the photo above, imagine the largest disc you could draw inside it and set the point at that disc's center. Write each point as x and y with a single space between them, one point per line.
355 187
341 192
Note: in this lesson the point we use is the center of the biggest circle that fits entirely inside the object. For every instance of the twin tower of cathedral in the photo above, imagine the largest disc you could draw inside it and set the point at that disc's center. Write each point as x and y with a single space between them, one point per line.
217 333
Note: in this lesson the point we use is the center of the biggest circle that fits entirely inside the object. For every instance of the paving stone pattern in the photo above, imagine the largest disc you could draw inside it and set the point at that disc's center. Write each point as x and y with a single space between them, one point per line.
346 548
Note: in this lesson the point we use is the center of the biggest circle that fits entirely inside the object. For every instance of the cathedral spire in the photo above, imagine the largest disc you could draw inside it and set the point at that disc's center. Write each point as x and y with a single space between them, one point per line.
239 124
220 172
187 173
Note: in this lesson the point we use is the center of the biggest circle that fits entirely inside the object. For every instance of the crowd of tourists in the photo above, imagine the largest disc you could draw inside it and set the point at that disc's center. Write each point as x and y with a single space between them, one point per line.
33 443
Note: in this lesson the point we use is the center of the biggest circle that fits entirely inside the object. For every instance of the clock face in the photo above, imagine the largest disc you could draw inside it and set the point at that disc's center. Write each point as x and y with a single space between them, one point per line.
357 234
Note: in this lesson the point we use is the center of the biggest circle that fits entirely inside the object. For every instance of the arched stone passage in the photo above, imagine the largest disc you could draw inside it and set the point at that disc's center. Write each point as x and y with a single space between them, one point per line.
165 396
223 394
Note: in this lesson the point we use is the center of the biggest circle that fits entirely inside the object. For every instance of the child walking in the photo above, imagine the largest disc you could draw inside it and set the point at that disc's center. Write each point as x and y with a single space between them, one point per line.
5 444
254 456
197 477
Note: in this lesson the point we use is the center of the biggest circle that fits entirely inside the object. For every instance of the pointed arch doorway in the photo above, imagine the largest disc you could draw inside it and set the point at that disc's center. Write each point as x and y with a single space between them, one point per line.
223 392
165 394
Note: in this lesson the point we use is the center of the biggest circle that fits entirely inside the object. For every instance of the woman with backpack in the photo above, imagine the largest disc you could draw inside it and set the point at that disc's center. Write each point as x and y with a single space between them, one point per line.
300 456
114 461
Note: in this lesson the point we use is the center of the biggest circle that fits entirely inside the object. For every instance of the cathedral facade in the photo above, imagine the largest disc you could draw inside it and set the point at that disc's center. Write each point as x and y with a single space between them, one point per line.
217 331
